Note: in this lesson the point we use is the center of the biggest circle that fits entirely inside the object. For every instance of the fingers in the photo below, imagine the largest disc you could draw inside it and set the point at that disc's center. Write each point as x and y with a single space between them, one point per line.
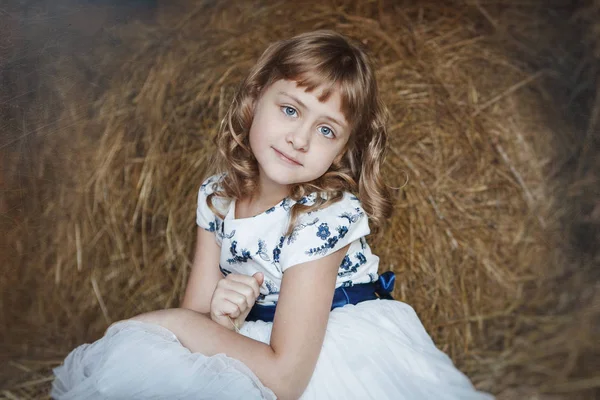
231 308
260 278
240 290
235 282
234 296
238 293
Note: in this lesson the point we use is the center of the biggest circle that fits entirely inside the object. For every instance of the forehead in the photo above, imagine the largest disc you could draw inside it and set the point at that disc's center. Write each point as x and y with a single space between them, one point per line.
326 99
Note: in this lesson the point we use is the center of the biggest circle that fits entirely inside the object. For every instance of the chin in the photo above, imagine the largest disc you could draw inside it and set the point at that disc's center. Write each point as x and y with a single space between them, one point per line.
282 175
285 180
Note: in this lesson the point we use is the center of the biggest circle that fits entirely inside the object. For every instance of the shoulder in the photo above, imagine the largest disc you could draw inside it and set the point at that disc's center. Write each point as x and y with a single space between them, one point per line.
348 207
325 230
211 184
205 217
341 217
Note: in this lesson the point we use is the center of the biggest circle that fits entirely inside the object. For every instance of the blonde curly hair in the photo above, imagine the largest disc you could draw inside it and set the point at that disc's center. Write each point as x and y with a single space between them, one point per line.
315 59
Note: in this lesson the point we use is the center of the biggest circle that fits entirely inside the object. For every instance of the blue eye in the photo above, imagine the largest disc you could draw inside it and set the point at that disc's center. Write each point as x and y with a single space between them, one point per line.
326 131
289 111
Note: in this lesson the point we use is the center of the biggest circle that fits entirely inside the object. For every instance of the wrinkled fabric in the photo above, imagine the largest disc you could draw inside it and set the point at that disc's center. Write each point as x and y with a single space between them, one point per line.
138 360
373 350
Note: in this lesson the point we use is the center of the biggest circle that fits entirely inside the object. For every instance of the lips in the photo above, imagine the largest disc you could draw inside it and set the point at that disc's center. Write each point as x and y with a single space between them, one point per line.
287 158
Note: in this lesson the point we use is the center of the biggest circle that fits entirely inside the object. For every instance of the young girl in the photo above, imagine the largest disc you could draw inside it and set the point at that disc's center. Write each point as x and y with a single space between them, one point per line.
284 299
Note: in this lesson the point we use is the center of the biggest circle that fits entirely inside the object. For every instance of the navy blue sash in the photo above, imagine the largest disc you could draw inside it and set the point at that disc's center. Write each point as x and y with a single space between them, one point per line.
380 289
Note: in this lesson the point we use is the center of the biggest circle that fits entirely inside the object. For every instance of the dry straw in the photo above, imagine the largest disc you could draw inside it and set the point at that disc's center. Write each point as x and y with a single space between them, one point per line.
475 240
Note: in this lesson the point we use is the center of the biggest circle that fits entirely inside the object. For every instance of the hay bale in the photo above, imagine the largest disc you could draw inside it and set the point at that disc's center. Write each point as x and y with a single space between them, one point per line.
587 175
475 240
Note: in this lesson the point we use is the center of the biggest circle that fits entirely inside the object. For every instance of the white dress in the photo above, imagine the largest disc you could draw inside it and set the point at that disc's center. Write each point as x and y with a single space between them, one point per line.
377 349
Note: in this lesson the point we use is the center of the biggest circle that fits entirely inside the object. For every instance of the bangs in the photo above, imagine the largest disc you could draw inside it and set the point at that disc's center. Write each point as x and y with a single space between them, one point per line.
326 61
329 63
351 89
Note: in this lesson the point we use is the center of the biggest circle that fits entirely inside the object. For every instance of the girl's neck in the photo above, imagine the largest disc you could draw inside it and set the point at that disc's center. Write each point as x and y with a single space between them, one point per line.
269 192
266 197
252 206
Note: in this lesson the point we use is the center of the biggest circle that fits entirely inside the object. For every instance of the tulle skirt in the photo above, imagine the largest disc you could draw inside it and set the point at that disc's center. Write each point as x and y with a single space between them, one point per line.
373 350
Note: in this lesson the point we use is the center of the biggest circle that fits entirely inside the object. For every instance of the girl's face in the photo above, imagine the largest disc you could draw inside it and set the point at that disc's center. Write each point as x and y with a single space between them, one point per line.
294 136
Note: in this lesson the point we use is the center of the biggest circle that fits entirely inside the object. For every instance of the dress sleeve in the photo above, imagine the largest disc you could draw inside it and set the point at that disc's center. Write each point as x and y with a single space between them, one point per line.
320 233
205 218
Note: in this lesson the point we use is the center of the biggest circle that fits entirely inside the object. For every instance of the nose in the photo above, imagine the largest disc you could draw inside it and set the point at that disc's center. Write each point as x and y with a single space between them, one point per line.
299 137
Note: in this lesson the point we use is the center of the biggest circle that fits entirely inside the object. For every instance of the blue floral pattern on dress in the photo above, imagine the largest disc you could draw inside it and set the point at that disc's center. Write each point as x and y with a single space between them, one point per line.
277 249
304 200
329 243
213 226
209 181
292 237
286 204
238 259
361 258
224 271
323 231
347 268
276 254
352 217
222 234
346 263
247 247
262 250
271 287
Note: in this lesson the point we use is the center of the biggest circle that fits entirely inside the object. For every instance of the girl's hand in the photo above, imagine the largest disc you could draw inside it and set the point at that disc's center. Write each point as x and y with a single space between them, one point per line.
233 298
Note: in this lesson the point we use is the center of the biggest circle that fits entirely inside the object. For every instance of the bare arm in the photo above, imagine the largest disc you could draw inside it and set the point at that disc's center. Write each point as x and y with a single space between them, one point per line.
205 273
287 364
301 320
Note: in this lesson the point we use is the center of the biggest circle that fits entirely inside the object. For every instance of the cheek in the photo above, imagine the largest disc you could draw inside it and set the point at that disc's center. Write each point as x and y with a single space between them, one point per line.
259 130
254 140
326 159
256 133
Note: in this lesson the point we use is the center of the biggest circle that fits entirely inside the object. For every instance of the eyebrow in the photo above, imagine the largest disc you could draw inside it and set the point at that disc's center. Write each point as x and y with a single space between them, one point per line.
297 100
